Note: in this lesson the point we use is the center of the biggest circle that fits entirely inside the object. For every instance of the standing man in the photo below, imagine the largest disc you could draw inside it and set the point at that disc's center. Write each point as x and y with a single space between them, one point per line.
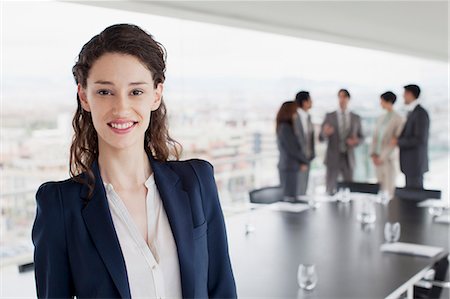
304 130
342 129
413 141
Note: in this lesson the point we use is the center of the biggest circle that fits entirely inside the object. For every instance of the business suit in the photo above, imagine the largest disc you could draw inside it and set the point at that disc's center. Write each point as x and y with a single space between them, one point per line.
389 125
305 137
290 158
77 252
413 145
338 162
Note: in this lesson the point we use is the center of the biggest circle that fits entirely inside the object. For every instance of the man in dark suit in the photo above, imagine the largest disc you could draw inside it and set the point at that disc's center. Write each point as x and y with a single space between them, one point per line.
304 131
413 141
343 131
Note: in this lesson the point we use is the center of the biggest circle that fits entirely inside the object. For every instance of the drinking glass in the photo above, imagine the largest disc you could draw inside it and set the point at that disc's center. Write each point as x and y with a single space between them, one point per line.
366 214
307 276
346 195
392 232
339 194
435 211
343 195
384 197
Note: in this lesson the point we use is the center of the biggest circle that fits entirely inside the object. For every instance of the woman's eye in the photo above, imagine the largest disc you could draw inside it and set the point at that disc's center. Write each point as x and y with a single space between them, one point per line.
103 92
137 92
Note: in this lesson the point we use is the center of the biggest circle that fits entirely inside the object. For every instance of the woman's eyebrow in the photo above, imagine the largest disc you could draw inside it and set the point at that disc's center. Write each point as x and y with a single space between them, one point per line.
138 83
103 82
110 83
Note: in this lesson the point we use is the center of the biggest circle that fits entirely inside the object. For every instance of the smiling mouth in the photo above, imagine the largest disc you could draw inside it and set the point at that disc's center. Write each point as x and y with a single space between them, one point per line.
122 126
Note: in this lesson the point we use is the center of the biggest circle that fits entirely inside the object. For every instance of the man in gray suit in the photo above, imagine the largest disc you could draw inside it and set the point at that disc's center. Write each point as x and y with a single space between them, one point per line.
304 131
342 129
413 141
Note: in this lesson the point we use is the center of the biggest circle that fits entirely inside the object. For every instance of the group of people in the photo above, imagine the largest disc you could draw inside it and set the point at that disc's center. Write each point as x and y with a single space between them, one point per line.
342 131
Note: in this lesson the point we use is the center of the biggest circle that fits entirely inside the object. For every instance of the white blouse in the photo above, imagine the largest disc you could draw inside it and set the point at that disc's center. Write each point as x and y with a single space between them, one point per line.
153 269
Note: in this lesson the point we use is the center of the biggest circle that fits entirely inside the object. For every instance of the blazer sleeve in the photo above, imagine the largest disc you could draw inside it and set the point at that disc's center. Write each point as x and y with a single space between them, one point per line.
359 131
221 283
51 265
288 140
419 132
374 137
388 149
322 136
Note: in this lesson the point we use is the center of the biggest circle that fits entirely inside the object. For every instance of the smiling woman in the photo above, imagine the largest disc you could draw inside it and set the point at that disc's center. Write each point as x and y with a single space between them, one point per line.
129 222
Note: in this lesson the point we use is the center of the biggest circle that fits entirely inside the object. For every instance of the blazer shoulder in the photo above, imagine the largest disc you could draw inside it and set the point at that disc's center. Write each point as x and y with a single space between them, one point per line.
204 166
355 115
192 161
285 127
421 110
53 191
191 169
50 186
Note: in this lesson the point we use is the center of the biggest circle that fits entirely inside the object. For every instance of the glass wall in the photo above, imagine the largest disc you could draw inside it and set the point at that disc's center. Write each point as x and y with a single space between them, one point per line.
224 86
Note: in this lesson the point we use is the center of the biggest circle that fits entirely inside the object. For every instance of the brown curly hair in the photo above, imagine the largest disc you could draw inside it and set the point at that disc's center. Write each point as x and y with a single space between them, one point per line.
125 39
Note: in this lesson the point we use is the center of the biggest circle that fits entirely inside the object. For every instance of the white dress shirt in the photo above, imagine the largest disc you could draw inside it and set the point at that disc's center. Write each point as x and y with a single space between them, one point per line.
304 119
153 269
346 114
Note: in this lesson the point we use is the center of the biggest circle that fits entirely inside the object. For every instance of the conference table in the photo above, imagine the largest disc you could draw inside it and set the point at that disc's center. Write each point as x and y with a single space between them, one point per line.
346 254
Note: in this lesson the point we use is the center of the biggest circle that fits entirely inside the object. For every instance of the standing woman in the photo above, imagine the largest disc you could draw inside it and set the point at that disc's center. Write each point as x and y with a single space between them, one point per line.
384 157
129 222
291 159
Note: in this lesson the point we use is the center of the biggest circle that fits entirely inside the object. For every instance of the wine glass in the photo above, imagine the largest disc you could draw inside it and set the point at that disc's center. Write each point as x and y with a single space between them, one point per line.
338 195
384 197
366 214
435 211
392 232
346 195
307 276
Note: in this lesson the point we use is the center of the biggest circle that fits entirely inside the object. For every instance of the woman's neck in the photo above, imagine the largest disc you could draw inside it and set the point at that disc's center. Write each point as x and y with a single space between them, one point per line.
125 169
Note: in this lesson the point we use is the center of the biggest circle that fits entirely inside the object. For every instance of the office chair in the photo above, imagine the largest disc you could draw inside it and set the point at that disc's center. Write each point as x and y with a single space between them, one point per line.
417 194
360 187
266 195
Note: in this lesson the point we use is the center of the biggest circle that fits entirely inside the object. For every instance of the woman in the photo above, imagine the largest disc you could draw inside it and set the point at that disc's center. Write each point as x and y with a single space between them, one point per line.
291 159
128 223
383 155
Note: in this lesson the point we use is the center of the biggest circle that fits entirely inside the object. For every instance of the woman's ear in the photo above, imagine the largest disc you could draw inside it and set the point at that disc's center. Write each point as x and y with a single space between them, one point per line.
83 99
157 96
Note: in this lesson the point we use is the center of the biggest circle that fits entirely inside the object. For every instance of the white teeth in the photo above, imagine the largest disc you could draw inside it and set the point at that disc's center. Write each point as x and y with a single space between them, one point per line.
122 126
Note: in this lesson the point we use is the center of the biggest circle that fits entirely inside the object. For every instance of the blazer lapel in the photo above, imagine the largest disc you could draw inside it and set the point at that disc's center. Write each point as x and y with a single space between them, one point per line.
177 206
98 219
298 128
99 223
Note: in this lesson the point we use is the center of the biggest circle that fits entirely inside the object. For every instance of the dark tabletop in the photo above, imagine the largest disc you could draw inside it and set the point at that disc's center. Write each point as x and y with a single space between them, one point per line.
347 255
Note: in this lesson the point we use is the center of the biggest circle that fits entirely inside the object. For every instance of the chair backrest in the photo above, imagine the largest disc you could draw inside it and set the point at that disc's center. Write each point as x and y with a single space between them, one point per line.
417 194
360 187
266 195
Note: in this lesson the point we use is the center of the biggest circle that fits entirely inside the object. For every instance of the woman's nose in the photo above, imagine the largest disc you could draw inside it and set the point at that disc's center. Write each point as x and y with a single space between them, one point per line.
122 103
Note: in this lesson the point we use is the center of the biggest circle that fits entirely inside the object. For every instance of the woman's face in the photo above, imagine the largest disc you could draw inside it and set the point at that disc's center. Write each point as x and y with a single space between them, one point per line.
120 96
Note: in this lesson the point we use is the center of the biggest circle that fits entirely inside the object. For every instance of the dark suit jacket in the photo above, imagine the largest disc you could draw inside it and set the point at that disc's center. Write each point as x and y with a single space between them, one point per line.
291 154
77 252
332 154
413 143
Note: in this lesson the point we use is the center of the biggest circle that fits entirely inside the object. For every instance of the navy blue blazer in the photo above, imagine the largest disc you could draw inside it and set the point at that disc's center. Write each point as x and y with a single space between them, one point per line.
77 251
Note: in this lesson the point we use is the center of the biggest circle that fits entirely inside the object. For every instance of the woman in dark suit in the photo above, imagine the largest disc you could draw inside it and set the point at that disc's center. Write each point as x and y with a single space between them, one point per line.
291 159
130 221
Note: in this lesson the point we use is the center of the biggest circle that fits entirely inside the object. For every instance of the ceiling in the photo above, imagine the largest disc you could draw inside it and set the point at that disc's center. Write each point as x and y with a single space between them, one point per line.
417 28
